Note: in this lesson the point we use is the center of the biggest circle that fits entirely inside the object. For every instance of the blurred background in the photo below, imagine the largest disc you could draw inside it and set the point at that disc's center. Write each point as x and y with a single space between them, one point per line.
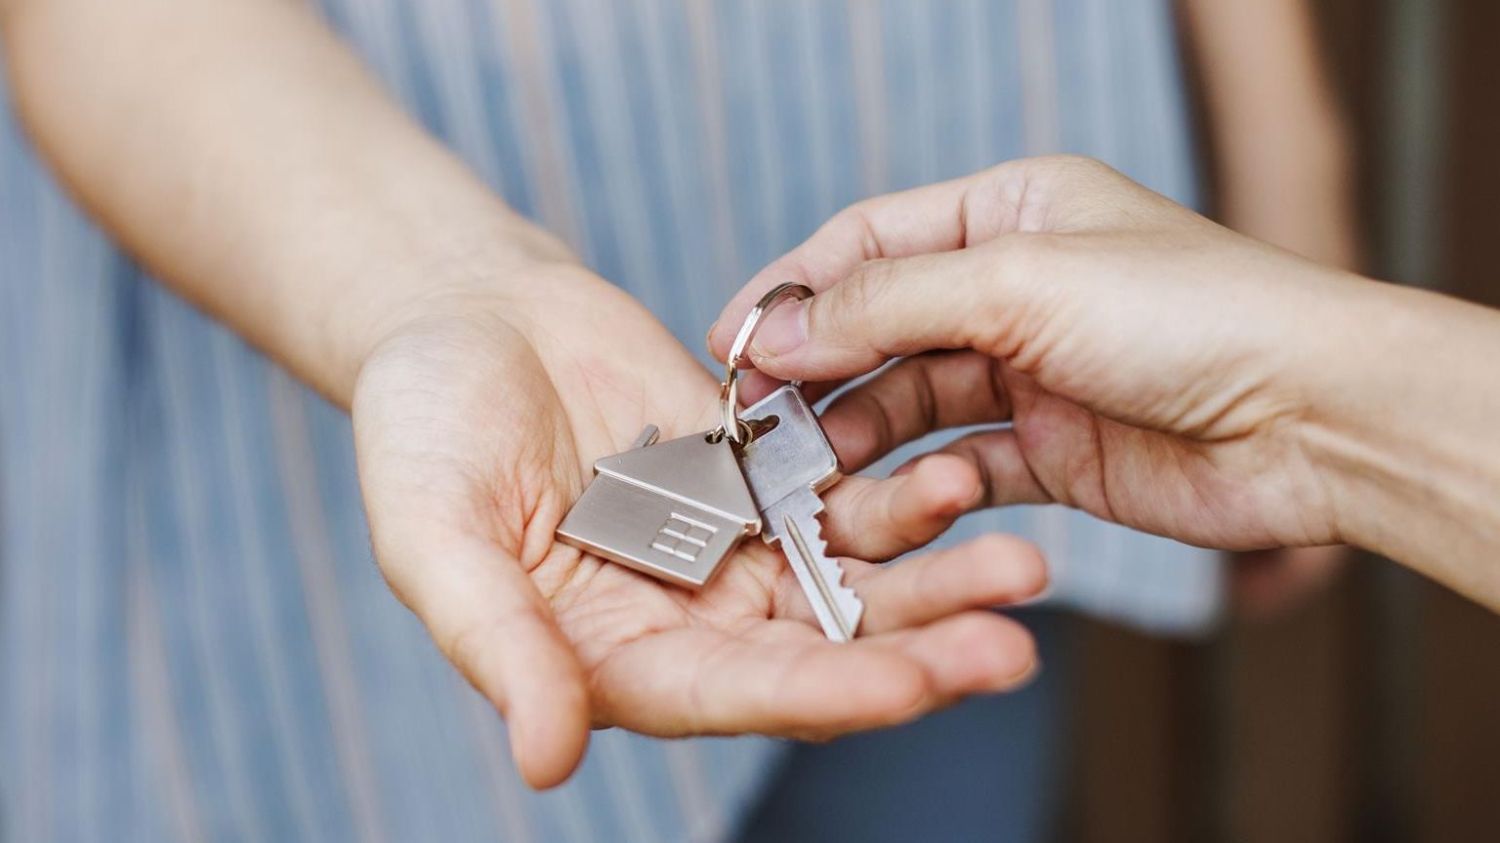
1369 713
1365 712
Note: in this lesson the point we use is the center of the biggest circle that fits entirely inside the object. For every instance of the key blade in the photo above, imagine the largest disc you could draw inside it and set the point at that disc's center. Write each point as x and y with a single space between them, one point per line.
800 536
838 608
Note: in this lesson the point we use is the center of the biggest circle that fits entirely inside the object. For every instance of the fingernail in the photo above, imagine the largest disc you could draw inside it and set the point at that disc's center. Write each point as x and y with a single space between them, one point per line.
1025 677
784 329
708 338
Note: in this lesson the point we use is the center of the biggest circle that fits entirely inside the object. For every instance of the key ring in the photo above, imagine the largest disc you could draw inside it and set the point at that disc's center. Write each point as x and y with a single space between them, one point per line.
729 390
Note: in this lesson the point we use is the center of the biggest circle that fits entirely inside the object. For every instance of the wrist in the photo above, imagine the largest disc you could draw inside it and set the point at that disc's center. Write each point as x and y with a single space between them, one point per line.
485 272
1354 412
1402 430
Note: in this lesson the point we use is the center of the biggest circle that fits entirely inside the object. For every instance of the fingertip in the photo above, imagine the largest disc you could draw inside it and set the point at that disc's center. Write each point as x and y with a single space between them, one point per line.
548 739
1015 569
710 342
1008 659
949 484
1022 679
532 677
721 335
972 652
926 501
998 653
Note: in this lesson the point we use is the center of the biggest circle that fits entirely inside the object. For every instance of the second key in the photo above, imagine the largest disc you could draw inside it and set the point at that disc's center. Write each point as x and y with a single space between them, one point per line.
788 465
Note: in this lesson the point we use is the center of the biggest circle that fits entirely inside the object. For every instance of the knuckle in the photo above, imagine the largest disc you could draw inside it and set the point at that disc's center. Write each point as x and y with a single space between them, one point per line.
853 222
866 282
1076 166
873 281
851 301
849 227
1020 268
1054 180
1026 255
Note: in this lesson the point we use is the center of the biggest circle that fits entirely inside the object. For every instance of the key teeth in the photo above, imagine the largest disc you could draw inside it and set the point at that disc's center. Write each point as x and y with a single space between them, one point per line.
821 545
852 608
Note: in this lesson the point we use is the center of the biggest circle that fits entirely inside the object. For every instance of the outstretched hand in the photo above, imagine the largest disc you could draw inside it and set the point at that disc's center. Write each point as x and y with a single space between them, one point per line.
476 428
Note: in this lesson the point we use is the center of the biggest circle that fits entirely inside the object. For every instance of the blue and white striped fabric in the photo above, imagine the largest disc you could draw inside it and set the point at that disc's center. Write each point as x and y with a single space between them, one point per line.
194 643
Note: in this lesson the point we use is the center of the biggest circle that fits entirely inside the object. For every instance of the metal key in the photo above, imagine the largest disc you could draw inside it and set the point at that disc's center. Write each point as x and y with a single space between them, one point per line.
788 465
674 510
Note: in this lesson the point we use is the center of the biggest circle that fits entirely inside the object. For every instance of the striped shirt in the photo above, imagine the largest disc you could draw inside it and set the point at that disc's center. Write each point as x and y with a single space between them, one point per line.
194 642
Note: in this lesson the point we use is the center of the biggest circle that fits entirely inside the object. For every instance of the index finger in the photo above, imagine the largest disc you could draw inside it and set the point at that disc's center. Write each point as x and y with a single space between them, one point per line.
933 218
1054 193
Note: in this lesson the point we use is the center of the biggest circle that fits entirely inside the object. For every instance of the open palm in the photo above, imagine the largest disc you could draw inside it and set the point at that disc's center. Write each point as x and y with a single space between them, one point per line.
476 428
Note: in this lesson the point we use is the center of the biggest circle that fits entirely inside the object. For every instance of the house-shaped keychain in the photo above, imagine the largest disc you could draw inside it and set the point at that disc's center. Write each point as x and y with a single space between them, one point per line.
673 510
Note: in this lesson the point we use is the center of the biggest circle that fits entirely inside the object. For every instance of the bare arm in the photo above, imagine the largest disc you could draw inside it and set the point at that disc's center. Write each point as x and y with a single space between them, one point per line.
1282 152
240 152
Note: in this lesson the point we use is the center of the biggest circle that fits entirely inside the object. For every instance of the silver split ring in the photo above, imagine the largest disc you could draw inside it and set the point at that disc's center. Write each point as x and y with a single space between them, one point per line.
729 389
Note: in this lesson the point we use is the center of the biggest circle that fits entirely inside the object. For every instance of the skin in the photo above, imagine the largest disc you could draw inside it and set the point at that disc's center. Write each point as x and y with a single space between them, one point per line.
239 152
1281 162
1155 369
1281 171
476 435
279 190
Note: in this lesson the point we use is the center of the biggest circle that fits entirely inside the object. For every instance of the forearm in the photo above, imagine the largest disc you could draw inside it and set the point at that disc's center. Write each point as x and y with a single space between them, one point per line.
1282 155
1409 428
244 156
